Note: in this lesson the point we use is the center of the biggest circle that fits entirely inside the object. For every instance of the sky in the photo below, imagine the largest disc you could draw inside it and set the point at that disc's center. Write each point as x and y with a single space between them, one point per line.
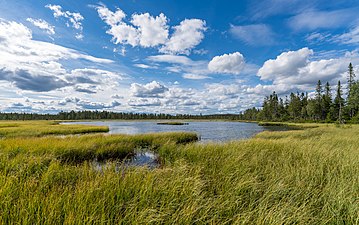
170 56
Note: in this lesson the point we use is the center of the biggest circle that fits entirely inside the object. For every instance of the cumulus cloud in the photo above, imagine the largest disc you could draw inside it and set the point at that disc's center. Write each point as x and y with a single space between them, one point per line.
153 89
43 25
255 34
29 64
87 105
297 70
72 18
24 80
146 31
227 63
285 64
153 31
93 76
109 17
187 35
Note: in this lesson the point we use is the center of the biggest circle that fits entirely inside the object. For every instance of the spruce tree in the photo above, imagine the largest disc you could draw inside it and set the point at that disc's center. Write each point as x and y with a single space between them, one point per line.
319 101
351 83
327 100
338 104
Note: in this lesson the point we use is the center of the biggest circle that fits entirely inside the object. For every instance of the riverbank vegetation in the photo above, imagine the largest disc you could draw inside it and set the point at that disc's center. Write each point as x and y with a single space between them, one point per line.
43 128
307 176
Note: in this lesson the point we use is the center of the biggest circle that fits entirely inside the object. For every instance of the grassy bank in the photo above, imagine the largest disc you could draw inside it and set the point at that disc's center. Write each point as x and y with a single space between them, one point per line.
308 176
42 128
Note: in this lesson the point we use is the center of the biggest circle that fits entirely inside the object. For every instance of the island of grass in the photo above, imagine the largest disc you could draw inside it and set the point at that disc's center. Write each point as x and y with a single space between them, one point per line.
307 176
172 123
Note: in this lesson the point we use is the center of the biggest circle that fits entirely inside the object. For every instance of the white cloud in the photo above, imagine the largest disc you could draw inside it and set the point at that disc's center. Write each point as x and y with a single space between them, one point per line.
317 37
186 36
191 76
149 31
227 63
255 34
312 20
153 31
266 8
144 102
153 89
285 64
43 25
144 66
109 17
124 34
171 59
145 31
297 70
29 64
72 17
351 37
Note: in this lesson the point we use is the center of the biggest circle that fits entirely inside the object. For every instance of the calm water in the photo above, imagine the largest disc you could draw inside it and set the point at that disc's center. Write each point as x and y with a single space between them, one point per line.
208 131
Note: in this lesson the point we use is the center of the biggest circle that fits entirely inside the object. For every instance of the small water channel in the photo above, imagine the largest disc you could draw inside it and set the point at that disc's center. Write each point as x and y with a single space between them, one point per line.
144 157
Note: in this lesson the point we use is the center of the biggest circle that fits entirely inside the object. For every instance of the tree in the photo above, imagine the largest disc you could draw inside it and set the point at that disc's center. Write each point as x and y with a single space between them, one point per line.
319 101
338 104
351 83
353 99
351 77
327 100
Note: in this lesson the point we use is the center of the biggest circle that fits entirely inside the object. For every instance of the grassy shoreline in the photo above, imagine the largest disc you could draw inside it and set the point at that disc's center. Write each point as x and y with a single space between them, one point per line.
306 176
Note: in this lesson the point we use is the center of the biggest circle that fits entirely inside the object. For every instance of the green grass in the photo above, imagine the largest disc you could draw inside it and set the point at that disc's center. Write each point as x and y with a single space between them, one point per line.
43 128
308 176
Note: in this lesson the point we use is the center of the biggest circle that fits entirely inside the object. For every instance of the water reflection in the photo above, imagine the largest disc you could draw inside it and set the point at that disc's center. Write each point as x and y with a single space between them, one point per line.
143 157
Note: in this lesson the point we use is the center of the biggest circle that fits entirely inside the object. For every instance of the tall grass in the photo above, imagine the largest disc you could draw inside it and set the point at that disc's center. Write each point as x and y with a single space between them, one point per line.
42 128
304 177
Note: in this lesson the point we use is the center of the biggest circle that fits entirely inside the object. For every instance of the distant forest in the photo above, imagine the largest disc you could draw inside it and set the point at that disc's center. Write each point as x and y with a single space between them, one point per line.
322 108
105 115
297 108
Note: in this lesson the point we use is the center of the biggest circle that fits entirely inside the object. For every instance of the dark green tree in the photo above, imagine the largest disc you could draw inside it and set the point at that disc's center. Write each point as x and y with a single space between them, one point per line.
351 100
327 101
319 101
338 104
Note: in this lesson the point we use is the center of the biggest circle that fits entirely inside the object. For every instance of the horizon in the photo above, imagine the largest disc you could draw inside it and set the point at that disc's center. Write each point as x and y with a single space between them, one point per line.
185 57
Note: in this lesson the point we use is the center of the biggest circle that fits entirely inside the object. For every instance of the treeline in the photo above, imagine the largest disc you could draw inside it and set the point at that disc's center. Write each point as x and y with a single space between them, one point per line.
105 115
322 108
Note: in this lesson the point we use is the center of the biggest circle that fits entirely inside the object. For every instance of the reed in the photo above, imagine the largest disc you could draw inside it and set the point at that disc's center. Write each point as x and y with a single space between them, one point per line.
305 176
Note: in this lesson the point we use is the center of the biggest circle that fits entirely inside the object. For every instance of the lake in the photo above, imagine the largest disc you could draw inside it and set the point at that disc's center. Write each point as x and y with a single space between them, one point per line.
208 130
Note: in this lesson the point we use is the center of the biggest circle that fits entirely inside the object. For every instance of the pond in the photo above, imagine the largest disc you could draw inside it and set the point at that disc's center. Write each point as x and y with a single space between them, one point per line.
215 131
208 131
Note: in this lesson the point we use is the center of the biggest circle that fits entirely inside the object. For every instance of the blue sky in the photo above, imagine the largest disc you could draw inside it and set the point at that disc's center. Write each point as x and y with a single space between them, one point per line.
170 56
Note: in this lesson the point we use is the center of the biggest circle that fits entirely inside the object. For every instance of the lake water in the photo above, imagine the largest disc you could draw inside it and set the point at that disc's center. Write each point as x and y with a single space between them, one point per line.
208 131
